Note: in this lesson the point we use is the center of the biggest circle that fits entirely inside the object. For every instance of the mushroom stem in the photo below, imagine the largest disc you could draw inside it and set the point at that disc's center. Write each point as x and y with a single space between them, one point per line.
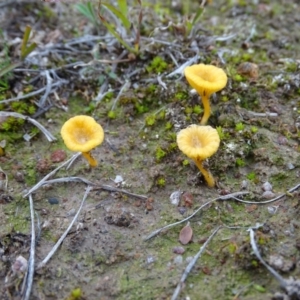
92 161
206 105
206 173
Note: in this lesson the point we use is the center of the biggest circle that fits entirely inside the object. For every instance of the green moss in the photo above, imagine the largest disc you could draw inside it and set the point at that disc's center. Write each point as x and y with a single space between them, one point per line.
168 126
112 114
160 153
150 120
221 133
240 162
161 182
182 95
185 162
251 176
188 110
239 126
157 65
254 129
197 109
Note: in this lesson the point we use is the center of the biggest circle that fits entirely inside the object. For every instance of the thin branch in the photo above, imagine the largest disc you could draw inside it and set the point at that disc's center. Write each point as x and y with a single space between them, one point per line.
41 182
124 88
266 114
30 271
256 252
68 179
42 101
48 135
226 197
191 265
159 80
113 189
95 186
56 84
56 246
179 70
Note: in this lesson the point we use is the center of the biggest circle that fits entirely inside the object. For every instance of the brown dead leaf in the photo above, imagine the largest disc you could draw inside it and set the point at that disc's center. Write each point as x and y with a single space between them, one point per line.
186 234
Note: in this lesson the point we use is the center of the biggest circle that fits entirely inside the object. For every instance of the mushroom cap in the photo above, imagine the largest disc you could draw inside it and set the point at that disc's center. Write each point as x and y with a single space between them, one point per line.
198 142
82 133
205 78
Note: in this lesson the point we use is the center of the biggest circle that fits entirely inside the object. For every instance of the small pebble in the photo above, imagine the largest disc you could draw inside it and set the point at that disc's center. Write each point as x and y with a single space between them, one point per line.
244 184
280 263
150 259
20 265
58 155
175 198
182 210
290 166
19 176
53 201
178 260
178 250
187 198
268 195
248 69
272 209
267 186
118 179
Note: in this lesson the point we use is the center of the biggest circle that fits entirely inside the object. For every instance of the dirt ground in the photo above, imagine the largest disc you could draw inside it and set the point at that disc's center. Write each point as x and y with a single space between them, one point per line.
142 101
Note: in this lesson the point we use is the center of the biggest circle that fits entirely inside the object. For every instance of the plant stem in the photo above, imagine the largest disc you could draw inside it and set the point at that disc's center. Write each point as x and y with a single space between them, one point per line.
92 161
206 173
206 105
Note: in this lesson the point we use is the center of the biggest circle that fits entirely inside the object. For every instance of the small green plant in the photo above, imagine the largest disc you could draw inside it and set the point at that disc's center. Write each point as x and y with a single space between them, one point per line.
181 96
197 109
112 114
254 129
222 135
239 126
25 51
171 136
251 176
240 162
150 120
157 65
185 162
191 21
188 110
121 27
161 181
160 153
168 125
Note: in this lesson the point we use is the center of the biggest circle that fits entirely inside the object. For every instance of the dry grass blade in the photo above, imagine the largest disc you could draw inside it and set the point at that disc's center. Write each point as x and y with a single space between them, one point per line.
256 252
56 246
40 183
192 264
226 197
30 271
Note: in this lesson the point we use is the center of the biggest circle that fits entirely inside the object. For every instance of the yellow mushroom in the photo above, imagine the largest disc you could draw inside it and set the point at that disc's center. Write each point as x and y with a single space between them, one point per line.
198 143
82 133
206 80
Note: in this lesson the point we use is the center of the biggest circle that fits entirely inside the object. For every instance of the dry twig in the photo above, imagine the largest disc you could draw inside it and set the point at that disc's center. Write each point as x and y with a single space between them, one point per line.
28 279
226 197
48 134
191 264
55 247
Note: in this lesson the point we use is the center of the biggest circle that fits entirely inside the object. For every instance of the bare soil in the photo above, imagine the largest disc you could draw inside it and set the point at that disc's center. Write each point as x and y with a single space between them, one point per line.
105 255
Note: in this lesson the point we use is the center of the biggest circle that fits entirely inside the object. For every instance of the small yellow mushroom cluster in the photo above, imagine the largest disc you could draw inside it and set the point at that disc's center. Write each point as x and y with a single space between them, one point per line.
199 142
